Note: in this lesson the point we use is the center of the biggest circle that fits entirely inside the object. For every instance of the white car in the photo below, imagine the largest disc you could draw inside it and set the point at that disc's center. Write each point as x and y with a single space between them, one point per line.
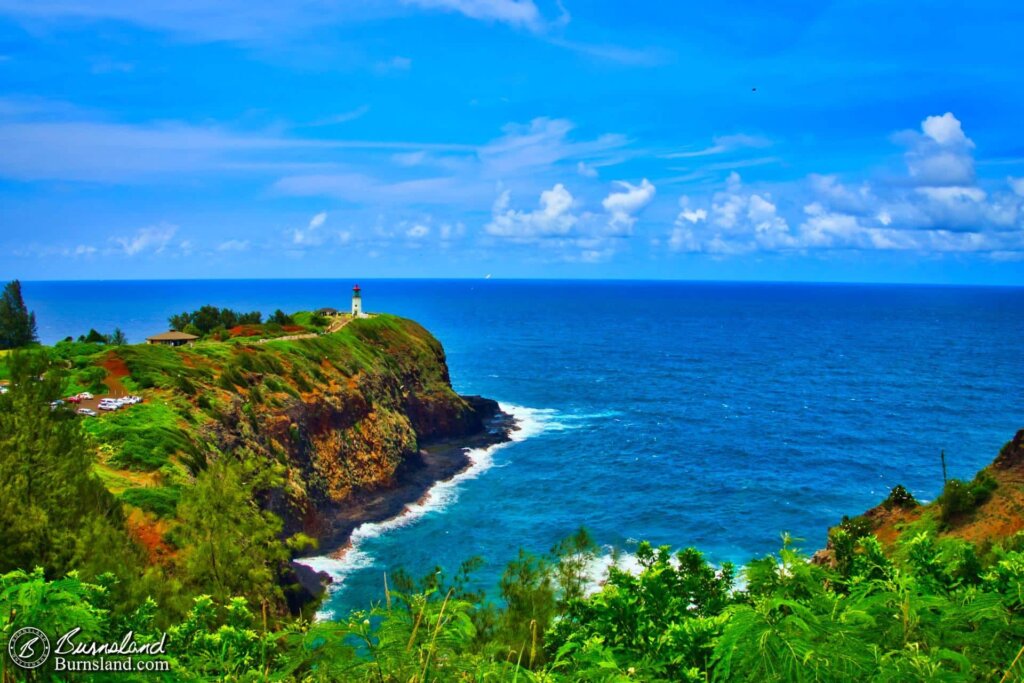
108 405
85 396
87 411
3 388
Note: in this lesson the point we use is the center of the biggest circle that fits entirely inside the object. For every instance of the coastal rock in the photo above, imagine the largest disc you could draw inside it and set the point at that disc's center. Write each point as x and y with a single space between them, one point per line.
1012 454
359 422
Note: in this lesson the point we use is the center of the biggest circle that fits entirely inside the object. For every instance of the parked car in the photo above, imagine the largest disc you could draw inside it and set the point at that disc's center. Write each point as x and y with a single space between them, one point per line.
107 405
85 396
87 411
74 399
56 404
3 388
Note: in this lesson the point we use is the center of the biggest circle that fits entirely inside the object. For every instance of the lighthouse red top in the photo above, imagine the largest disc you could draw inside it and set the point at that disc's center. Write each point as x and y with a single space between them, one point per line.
356 288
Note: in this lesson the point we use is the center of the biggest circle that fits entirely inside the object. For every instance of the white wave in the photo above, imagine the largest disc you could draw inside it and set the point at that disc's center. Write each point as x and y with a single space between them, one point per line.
527 422
597 569
562 422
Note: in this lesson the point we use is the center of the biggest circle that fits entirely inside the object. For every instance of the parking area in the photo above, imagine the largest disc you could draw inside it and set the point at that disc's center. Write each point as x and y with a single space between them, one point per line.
100 404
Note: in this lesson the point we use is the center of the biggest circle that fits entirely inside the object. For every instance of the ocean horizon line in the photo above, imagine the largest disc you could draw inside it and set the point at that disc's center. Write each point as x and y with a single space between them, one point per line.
518 280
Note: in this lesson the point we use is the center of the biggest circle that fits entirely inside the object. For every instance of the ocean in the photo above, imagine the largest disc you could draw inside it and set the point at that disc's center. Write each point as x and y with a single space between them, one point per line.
715 415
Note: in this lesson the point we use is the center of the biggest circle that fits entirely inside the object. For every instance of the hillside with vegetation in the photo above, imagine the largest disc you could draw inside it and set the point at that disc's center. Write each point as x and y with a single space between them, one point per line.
179 515
922 608
244 446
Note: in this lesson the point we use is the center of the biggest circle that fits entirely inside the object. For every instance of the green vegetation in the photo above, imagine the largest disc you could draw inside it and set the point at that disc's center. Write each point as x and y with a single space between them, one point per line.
194 543
142 438
160 500
939 616
17 324
279 317
961 498
115 338
900 498
209 318
54 512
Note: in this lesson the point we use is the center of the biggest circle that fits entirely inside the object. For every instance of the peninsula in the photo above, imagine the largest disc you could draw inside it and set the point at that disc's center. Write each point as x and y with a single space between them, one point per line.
353 415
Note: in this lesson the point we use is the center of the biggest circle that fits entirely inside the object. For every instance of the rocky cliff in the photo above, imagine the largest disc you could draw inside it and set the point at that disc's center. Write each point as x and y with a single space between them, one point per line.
345 415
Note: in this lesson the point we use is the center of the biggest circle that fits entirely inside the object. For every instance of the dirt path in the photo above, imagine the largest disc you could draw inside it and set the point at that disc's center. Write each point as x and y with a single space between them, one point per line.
332 328
307 335
338 324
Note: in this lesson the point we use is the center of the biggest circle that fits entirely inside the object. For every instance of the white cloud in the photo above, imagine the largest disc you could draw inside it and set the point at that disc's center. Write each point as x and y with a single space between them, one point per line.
1017 185
553 217
449 231
522 13
945 130
623 205
418 231
722 144
152 239
941 154
344 117
939 207
586 170
233 245
310 236
541 143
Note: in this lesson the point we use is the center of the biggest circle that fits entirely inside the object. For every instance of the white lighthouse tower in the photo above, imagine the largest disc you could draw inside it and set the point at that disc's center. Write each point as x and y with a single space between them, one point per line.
357 303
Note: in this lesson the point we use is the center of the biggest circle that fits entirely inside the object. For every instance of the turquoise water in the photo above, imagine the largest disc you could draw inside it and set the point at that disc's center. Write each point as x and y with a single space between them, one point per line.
715 415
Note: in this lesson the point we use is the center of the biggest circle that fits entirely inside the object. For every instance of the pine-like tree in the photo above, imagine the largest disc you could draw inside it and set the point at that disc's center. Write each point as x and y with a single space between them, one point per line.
55 512
17 323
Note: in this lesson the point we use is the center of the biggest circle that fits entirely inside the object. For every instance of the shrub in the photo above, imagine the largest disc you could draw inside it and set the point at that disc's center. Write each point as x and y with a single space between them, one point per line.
161 501
901 498
856 527
960 498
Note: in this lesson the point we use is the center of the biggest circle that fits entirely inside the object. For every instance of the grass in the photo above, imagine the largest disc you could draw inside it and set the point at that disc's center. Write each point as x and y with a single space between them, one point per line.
162 501
142 437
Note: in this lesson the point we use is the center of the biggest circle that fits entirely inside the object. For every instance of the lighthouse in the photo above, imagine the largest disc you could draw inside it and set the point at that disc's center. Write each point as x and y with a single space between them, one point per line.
357 303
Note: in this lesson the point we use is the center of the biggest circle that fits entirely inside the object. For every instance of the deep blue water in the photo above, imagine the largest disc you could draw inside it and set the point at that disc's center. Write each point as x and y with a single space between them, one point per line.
708 414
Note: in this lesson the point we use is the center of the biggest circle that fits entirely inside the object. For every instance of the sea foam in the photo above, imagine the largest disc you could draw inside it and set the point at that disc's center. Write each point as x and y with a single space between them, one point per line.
528 422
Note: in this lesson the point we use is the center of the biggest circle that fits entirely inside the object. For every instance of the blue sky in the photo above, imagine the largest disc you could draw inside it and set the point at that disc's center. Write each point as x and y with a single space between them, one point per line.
837 141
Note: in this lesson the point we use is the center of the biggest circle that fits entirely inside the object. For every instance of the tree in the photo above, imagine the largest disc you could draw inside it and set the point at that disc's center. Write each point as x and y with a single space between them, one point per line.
231 546
94 337
529 593
55 513
208 319
279 317
118 338
17 324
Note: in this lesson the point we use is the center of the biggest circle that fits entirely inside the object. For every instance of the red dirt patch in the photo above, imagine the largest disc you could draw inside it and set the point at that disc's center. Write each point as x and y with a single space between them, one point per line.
246 331
116 369
149 533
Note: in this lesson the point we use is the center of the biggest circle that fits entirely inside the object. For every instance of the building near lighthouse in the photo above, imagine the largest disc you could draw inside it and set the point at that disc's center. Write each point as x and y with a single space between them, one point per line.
357 303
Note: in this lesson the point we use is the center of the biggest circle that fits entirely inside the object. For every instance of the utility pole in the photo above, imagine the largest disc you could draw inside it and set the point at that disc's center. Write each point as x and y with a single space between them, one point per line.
943 455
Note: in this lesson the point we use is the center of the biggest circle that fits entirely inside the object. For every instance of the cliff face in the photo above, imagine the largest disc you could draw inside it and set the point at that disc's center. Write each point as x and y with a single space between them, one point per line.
344 413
